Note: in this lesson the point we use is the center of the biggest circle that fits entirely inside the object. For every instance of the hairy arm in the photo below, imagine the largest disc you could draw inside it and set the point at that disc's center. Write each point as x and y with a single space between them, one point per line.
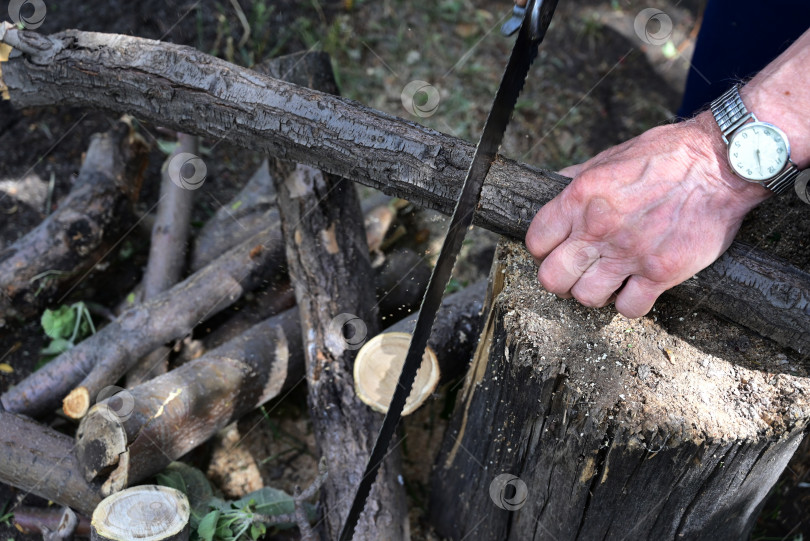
644 216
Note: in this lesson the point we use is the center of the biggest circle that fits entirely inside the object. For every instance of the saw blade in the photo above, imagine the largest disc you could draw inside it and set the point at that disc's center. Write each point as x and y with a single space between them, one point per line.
535 23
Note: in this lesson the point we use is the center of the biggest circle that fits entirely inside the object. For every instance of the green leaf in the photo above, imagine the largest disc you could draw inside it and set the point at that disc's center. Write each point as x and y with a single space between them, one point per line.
172 479
57 347
224 531
257 529
208 526
191 482
5 518
59 323
268 501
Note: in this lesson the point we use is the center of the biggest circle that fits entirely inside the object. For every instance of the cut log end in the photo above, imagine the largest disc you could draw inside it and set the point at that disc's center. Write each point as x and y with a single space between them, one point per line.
377 368
147 513
76 403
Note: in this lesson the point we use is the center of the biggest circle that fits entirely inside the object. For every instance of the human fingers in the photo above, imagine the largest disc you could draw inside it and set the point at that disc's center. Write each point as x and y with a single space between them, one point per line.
638 295
549 228
565 265
572 170
598 285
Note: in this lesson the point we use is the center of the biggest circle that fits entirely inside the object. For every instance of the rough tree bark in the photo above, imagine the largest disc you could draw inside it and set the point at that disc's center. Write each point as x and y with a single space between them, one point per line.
74 237
170 85
39 460
103 358
327 255
599 427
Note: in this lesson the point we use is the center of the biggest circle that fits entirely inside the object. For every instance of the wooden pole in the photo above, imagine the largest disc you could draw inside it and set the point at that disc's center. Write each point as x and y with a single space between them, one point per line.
339 136
128 438
581 424
167 249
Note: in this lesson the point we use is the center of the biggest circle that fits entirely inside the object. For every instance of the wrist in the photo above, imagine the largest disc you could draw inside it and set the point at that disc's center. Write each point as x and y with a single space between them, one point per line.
704 140
778 106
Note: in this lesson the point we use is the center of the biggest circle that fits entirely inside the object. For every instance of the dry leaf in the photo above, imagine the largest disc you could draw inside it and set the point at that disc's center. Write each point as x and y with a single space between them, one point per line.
6 368
465 30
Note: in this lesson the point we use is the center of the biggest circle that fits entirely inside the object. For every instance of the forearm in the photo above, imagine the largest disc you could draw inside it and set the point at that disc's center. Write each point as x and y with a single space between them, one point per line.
780 94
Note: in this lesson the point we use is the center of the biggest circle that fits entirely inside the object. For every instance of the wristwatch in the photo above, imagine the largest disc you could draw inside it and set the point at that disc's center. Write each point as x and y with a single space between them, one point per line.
758 151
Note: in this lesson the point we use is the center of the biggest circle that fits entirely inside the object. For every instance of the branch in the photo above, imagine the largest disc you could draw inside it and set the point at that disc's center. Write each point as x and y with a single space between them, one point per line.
162 419
241 217
169 84
167 251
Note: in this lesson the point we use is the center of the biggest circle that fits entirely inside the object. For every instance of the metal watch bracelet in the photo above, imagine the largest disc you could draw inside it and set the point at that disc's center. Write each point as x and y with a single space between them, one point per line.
731 113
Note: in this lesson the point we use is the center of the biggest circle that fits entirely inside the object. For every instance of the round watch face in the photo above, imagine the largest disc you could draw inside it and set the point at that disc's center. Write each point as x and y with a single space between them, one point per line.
758 151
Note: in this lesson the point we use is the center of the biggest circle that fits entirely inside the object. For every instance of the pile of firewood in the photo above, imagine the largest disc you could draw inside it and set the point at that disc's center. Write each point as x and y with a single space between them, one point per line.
298 231
127 436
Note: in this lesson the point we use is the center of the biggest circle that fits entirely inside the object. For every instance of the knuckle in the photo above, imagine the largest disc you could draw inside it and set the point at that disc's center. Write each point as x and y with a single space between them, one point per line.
661 268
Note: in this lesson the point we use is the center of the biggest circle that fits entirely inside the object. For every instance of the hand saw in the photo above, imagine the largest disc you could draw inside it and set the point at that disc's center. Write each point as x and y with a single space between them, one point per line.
536 18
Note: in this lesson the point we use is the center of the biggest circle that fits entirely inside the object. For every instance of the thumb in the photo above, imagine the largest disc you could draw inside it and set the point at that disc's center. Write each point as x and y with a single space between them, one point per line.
572 170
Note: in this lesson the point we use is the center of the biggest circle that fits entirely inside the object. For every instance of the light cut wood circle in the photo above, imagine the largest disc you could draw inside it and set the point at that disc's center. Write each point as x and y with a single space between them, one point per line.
145 513
377 368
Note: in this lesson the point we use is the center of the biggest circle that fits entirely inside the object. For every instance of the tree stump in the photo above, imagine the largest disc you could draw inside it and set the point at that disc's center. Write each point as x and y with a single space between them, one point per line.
146 512
578 423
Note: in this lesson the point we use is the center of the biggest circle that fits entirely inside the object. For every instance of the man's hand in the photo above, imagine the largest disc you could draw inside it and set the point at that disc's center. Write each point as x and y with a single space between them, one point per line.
646 215
641 217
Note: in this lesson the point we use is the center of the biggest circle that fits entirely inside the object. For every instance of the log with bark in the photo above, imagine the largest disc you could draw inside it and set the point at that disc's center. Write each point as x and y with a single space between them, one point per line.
455 331
167 249
128 437
581 424
327 255
77 235
39 460
103 358
148 512
169 85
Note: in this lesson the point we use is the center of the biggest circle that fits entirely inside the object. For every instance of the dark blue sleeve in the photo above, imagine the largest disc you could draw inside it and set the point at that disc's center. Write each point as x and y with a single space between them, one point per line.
737 39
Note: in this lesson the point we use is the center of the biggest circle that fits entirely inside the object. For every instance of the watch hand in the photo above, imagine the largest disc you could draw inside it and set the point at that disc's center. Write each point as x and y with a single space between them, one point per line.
759 162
